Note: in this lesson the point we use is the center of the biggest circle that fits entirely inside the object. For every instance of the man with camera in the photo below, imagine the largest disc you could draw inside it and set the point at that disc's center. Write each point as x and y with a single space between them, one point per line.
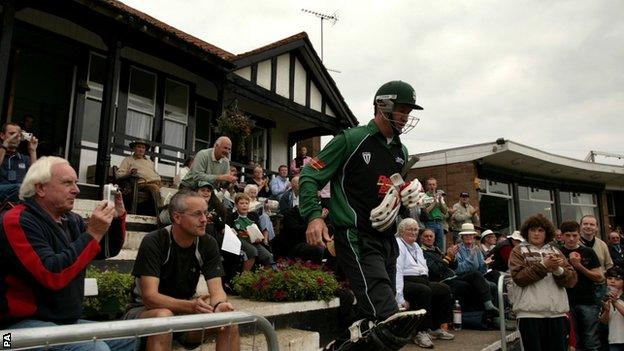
14 164
45 250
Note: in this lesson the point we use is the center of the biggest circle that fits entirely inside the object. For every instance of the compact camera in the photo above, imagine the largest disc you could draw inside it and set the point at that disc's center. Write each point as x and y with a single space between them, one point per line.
26 136
109 193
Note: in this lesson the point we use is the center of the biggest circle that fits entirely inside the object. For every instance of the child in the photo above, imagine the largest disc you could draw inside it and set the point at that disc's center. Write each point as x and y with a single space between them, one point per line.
239 221
613 309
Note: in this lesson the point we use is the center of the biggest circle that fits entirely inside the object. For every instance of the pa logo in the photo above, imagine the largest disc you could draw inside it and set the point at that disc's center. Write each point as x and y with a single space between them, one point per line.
366 156
6 341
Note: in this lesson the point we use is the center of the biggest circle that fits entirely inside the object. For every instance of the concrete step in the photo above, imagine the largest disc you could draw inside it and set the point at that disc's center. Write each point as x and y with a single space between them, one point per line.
288 339
133 240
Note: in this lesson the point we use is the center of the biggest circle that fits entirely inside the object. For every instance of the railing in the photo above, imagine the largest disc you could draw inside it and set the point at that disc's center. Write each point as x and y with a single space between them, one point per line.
59 335
501 310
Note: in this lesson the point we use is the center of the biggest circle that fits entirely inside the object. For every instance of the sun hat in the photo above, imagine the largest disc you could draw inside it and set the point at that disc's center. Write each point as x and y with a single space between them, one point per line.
467 228
516 236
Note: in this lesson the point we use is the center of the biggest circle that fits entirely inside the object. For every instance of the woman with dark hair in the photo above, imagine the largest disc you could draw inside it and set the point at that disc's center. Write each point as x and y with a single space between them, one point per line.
540 274
261 181
298 162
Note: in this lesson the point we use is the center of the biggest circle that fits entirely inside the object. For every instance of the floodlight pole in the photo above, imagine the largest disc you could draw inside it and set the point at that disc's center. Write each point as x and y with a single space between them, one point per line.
323 17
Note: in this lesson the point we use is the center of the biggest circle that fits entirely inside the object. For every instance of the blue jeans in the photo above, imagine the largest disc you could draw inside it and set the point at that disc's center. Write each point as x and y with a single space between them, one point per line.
586 326
438 229
130 344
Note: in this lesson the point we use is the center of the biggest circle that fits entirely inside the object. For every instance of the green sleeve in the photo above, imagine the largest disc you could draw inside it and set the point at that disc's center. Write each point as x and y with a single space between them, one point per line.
317 173
198 172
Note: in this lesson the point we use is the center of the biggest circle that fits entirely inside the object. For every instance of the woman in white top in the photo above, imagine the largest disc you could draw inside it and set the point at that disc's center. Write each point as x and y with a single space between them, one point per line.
414 290
613 309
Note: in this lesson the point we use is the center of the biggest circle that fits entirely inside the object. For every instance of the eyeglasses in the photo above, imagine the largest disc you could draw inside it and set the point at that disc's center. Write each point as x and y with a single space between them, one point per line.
198 214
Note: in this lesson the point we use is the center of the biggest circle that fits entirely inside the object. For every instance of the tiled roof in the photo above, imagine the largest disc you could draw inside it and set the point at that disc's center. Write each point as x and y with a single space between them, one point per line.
299 36
171 30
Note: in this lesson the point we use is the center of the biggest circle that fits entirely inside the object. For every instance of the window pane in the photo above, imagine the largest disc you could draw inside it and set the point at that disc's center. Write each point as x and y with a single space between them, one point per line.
583 199
91 121
97 75
174 134
142 90
571 212
566 197
529 208
176 101
139 125
203 119
540 194
498 188
496 213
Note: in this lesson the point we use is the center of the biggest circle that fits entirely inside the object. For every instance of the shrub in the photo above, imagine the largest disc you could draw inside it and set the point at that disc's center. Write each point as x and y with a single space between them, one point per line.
114 295
291 281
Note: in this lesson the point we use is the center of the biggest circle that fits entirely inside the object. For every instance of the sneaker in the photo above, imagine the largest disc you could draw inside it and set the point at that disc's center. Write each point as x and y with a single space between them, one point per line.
422 339
441 334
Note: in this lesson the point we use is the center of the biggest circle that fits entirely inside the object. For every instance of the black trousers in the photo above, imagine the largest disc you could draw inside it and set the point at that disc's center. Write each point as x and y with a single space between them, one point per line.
434 297
368 261
544 334
472 290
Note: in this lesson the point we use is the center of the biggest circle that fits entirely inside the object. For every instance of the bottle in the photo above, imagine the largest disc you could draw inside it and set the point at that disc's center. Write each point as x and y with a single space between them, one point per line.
457 316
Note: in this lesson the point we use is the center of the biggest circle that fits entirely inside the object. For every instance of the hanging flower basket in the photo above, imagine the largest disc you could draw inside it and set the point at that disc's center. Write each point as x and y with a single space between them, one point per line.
236 125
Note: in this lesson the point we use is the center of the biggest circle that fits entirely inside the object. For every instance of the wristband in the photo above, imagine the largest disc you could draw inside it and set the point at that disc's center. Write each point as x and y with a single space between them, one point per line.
214 308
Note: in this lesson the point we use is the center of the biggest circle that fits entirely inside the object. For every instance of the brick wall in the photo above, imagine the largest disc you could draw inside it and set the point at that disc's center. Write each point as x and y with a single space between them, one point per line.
452 178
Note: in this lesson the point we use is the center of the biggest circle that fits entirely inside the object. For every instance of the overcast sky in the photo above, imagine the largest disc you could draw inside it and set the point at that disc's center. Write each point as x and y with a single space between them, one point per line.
547 74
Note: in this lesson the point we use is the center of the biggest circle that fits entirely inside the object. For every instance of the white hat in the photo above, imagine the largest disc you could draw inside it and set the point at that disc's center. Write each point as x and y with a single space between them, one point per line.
486 233
467 228
516 236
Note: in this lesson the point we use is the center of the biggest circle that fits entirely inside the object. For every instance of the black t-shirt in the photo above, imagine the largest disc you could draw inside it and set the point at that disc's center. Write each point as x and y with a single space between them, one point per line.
584 292
177 268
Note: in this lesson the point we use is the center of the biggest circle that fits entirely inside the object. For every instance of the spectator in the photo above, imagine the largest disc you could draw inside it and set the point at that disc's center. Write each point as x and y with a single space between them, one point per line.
441 268
488 242
502 250
298 162
613 309
45 249
240 221
167 269
463 212
470 260
292 240
266 226
139 165
186 167
280 184
589 229
615 249
540 274
13 164
261 181
434 213
211 165
582 296
291 197
558 240
414 290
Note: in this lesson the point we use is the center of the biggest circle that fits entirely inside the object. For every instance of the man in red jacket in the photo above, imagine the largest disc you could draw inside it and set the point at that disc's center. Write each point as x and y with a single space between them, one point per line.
45 249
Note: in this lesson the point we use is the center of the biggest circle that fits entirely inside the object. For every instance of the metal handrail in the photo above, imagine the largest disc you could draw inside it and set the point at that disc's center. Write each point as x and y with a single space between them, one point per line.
501 311
58 335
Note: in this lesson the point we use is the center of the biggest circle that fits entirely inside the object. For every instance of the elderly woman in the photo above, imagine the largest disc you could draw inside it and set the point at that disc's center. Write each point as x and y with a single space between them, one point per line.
415 291
251 190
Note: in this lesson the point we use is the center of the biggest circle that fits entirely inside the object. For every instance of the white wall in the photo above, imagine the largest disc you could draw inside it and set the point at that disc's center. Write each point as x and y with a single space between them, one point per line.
244 72
282 76
264 74
315 98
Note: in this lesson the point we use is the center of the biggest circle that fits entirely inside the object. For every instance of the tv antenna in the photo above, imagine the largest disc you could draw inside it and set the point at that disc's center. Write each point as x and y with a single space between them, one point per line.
333 18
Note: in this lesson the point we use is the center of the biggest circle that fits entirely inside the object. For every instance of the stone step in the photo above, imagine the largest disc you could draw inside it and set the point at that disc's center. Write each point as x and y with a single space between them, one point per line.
288 339
133 240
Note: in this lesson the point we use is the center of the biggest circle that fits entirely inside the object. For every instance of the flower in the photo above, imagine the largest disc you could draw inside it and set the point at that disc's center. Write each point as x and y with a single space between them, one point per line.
280 295
236 125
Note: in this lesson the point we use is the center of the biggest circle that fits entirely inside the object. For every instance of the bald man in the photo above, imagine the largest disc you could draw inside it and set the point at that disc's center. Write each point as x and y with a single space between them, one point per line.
211 165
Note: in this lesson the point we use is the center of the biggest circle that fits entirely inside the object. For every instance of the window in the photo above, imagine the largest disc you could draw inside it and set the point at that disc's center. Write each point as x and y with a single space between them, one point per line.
610 204
576 205
141 104
93 103
496 207
175 116
535 200
257 141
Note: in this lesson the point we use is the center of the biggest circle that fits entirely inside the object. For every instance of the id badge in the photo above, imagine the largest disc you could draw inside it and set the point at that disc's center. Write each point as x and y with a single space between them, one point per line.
11 175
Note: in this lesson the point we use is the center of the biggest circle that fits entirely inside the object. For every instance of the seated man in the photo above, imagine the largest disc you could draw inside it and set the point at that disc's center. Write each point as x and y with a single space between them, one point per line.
167 271
280 184
45 250
290 198
139 165
13 164
211 165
